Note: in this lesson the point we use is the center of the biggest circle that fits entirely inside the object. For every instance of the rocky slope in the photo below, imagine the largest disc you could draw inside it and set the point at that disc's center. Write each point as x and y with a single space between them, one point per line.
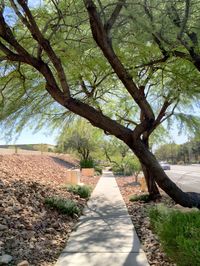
29 230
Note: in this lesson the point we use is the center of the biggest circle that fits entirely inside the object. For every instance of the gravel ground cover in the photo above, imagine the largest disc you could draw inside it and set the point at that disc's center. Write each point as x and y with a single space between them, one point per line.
29 230
139 215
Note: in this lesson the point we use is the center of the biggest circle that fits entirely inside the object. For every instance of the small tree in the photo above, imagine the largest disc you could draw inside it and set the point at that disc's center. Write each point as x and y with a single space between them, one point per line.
79 137
121 158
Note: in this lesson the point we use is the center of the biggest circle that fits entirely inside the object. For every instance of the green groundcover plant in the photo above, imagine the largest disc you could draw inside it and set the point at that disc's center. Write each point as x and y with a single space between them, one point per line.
83 191
87 163
142 197
64 206
179 234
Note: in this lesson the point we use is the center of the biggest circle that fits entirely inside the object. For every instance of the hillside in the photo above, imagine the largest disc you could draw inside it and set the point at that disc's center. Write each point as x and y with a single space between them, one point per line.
28 229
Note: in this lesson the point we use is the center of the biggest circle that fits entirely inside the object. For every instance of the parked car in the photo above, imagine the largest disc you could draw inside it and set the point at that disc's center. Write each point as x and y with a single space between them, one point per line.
165 166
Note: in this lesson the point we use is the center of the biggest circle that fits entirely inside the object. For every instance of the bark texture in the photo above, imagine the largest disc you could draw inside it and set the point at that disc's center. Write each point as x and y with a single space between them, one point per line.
151 184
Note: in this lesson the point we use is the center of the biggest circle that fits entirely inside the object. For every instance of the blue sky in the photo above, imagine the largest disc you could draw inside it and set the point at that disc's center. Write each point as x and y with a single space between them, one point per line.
43 136
27 137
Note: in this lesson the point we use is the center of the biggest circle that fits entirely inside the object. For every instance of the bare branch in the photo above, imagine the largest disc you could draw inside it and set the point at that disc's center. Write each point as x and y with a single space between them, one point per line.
162 113
185 19
171 113
109 24
127 120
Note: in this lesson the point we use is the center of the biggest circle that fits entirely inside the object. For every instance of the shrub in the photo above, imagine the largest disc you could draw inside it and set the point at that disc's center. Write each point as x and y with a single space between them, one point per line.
82 191
143 197
64 206
118 170
128 166
179 234
98 170
89 163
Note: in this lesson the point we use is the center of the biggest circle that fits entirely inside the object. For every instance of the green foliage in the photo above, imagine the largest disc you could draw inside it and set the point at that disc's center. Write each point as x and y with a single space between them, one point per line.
143 197
168 152
82 191
188 122
179 233
64 206
79 137
129 165
87 163
188 152
98 169
120 158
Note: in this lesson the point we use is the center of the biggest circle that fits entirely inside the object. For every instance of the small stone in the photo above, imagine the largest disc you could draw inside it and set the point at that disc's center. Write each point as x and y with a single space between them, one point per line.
54 242
5 259
23 263
3 227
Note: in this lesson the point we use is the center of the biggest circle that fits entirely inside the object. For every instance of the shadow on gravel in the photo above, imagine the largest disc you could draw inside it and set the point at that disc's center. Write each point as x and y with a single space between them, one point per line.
63 162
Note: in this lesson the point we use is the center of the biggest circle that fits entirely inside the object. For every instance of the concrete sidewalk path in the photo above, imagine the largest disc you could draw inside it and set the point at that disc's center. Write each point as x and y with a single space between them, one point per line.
104 235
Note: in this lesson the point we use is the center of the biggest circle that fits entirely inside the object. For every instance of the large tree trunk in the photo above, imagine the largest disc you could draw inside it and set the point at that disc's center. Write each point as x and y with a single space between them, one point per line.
139 149
186 199
149 178
151 184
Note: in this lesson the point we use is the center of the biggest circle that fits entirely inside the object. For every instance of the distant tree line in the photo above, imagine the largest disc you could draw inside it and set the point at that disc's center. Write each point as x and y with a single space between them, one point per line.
188 152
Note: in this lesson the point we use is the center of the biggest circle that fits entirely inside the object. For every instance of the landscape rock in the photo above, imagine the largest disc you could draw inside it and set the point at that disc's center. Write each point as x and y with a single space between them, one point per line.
3 227
29 230
23 263
5 259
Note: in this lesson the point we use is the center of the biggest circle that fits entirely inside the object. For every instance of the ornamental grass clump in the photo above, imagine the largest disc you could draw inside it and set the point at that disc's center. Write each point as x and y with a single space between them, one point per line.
83 191
64 206
143 197
179 234
87 163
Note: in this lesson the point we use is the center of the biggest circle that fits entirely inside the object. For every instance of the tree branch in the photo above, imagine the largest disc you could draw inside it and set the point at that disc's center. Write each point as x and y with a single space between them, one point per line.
127 120
98 119
185 19
102 40
109 24
38 36
162 113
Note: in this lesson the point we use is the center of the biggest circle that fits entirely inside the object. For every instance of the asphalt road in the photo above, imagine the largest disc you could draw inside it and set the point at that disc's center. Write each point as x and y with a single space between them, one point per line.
186 177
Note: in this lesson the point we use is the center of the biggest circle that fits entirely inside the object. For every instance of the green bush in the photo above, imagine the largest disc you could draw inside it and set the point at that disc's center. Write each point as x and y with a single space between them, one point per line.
118 170
143 197
82 191
179 234
89 163
64 206
98 170
128 166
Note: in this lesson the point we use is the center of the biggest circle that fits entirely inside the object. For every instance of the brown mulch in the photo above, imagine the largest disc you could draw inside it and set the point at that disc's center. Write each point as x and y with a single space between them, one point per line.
139 215
29 230
127 187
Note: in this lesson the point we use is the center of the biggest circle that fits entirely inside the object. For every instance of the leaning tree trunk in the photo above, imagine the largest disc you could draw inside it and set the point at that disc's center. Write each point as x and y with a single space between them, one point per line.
151 184
149 178
186 199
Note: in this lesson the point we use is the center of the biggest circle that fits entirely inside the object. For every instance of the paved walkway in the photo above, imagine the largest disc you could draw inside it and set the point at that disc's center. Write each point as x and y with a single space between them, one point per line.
104 235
